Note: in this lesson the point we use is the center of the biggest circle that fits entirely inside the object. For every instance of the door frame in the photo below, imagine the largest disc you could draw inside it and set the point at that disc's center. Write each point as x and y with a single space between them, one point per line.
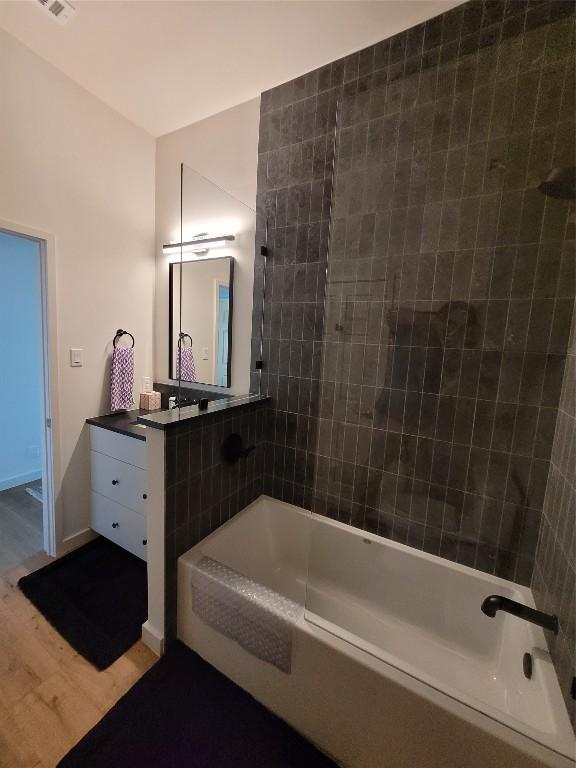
219 283
51 505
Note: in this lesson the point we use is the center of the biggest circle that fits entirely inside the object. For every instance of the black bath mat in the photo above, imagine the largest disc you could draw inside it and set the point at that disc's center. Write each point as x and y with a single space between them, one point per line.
95 597
184 714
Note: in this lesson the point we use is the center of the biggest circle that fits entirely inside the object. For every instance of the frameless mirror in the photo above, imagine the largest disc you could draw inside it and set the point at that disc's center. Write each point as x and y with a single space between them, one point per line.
201 320
209 257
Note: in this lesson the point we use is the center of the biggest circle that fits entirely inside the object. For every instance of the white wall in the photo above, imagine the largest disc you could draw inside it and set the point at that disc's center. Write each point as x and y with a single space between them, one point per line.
20 358
74 168
224 149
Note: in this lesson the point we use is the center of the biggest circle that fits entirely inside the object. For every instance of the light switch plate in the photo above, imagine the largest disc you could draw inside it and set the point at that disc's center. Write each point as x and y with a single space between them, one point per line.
76 358
204 353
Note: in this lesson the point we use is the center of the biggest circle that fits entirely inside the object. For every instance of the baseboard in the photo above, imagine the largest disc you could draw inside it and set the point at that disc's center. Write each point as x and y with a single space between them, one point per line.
152 638
74 541
26 477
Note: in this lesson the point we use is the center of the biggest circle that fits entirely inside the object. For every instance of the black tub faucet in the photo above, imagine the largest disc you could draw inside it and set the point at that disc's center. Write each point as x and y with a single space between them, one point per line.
495 603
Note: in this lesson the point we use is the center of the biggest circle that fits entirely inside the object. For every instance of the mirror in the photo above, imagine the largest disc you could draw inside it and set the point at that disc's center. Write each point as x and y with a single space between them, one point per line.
201 320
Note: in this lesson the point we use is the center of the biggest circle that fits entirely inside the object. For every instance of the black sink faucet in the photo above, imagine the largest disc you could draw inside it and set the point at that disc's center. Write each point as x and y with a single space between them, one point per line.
495 603
182 402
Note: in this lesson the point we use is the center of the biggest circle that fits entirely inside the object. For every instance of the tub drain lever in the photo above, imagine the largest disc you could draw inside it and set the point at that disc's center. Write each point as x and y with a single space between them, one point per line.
527 665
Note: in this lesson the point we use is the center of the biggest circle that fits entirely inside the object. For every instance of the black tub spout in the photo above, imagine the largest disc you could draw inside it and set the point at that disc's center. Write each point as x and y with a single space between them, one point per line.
495 603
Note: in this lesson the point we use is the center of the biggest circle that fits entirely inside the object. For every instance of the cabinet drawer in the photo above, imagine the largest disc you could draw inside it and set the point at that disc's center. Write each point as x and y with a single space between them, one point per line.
122 526
128 449
119 481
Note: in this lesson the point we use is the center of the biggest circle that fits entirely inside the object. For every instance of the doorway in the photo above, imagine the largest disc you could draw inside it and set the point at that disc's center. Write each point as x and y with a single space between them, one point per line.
26 499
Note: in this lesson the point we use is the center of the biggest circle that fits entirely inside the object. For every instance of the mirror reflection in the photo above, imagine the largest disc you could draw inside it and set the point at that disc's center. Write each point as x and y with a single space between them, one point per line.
201 320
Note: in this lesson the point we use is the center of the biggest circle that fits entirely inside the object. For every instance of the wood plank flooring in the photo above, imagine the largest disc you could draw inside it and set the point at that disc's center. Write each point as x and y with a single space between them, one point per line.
49 695
20 526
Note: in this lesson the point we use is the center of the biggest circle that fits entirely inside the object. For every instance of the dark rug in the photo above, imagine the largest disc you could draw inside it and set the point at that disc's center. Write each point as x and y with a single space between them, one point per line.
183 713
96 598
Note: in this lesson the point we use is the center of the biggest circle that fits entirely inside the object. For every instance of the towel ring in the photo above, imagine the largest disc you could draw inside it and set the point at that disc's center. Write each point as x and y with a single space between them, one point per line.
183 336
119 334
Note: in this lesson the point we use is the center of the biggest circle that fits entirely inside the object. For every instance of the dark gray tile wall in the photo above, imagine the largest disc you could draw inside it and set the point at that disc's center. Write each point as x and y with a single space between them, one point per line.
554 579
294 197
203 492
449 294
420 400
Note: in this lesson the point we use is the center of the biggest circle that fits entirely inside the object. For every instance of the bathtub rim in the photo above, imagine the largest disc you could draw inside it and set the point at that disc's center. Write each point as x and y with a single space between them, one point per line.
380 662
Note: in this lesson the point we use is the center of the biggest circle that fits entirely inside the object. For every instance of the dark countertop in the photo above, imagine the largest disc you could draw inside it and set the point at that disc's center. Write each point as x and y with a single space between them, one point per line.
166 419
122 422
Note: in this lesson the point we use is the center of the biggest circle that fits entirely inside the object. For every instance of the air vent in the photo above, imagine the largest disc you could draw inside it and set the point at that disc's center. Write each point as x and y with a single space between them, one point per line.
60 10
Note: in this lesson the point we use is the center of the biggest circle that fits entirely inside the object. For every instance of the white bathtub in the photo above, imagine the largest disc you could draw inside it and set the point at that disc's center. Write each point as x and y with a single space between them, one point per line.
393 663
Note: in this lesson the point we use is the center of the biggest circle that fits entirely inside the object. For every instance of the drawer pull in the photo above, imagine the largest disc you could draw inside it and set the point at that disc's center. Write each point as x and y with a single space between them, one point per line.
144 541
144 495
115 525
115 482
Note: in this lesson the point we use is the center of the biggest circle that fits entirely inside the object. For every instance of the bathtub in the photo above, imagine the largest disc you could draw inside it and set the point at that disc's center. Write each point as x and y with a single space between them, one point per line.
393 663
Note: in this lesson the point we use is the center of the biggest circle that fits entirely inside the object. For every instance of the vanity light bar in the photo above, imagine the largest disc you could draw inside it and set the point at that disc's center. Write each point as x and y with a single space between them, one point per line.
199 244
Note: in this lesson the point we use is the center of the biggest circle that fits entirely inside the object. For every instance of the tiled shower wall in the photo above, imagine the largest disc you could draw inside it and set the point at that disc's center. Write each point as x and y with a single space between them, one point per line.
202 491
554 580
423 404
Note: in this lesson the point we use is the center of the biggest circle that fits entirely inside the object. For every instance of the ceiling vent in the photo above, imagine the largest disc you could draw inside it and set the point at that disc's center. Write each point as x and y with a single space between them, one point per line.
60 10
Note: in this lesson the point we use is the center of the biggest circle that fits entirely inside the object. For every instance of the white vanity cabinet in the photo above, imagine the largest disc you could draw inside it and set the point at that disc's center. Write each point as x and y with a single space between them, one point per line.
118 483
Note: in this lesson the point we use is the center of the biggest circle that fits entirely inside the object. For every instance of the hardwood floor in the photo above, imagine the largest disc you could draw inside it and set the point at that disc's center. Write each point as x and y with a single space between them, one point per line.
49 695
20 526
